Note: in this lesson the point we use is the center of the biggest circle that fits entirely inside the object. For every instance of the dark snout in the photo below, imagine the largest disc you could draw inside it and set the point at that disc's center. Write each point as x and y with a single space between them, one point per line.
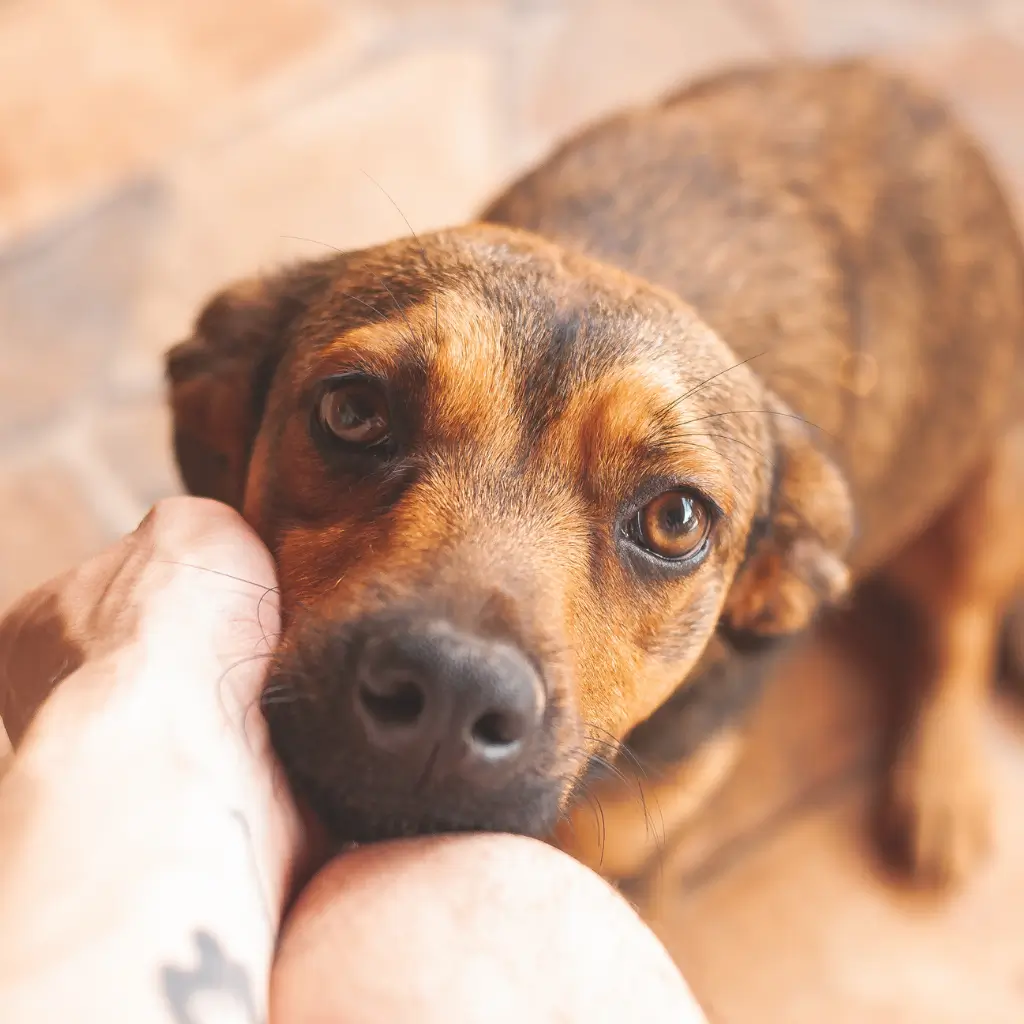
434 698
399 725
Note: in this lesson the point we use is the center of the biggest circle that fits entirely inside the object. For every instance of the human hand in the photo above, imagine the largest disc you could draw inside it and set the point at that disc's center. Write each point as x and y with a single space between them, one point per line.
130 689
148 845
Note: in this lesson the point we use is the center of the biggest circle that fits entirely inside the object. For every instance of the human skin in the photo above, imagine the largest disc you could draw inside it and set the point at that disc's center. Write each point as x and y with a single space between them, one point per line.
149 848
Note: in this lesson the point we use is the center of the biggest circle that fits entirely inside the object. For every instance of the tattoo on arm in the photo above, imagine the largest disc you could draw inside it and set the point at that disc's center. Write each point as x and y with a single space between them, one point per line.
214 976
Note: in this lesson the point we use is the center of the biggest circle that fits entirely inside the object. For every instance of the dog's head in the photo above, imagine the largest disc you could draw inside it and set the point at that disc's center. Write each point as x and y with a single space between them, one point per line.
511 494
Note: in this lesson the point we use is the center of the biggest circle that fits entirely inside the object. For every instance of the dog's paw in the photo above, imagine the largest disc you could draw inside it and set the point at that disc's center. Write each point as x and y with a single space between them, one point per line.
937 815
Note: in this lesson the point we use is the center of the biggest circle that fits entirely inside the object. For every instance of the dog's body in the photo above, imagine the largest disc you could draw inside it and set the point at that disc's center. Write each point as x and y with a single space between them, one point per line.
844 238
830 224
842 231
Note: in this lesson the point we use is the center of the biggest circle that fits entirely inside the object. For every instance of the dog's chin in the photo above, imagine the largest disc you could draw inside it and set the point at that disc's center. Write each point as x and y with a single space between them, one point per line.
531 810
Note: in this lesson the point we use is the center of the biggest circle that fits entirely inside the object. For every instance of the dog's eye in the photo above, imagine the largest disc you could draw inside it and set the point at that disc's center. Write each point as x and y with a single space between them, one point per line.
356 412
675 525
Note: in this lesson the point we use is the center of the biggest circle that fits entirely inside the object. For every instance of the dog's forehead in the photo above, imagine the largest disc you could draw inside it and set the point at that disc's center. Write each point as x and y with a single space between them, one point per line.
473 354
525 353
467 310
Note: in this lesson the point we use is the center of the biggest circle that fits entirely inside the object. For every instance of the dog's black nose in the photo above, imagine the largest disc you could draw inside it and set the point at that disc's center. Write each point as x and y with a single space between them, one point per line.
447 701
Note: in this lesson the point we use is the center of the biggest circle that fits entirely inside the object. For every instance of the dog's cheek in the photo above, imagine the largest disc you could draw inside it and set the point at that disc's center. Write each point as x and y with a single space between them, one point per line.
259 482
657 639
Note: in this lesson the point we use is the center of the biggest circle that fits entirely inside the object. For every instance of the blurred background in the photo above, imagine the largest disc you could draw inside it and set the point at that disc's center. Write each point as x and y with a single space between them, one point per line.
151 150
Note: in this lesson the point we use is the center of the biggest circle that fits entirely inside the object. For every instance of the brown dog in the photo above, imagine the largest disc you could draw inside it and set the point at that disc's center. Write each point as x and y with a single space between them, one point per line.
525 504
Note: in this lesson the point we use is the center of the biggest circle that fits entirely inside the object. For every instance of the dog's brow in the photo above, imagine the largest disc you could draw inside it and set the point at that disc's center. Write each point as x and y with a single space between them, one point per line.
380 348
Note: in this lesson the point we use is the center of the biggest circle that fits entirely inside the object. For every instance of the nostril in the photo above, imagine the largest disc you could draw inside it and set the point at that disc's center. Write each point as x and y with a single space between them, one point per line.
401 704
497 729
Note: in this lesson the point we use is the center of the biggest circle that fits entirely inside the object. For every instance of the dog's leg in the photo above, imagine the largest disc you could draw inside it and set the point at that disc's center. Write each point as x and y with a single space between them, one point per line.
960 574
624 823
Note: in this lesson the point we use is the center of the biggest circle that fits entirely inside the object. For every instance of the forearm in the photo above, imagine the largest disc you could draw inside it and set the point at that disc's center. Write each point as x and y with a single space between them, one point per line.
164 921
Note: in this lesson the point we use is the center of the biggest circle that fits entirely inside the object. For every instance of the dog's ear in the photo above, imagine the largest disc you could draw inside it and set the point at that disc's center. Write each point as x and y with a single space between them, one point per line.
220 376
796 560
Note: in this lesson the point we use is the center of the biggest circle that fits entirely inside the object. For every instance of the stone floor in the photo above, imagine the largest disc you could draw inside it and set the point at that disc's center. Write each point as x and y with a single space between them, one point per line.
152 150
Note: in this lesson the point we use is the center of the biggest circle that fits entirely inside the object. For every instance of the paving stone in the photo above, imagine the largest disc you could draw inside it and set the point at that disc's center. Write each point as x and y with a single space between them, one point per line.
834 28
67 300
1005 18
590 57
801 930
50 523
418 127
94 89
982 74
134 440
432 17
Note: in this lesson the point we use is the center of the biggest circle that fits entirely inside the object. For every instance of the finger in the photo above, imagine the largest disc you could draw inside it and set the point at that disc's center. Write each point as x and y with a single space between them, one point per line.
193 577
187 531
212 600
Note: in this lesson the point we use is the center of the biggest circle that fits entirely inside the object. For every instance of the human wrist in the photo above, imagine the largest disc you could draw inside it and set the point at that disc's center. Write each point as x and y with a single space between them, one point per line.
102 932
121 860
104 743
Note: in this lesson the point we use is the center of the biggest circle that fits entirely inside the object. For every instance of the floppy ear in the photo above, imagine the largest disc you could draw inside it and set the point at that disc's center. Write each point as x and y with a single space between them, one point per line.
219 379
796 564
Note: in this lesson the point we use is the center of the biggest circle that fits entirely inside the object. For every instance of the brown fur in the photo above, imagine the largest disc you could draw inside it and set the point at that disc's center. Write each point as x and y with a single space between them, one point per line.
824 330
